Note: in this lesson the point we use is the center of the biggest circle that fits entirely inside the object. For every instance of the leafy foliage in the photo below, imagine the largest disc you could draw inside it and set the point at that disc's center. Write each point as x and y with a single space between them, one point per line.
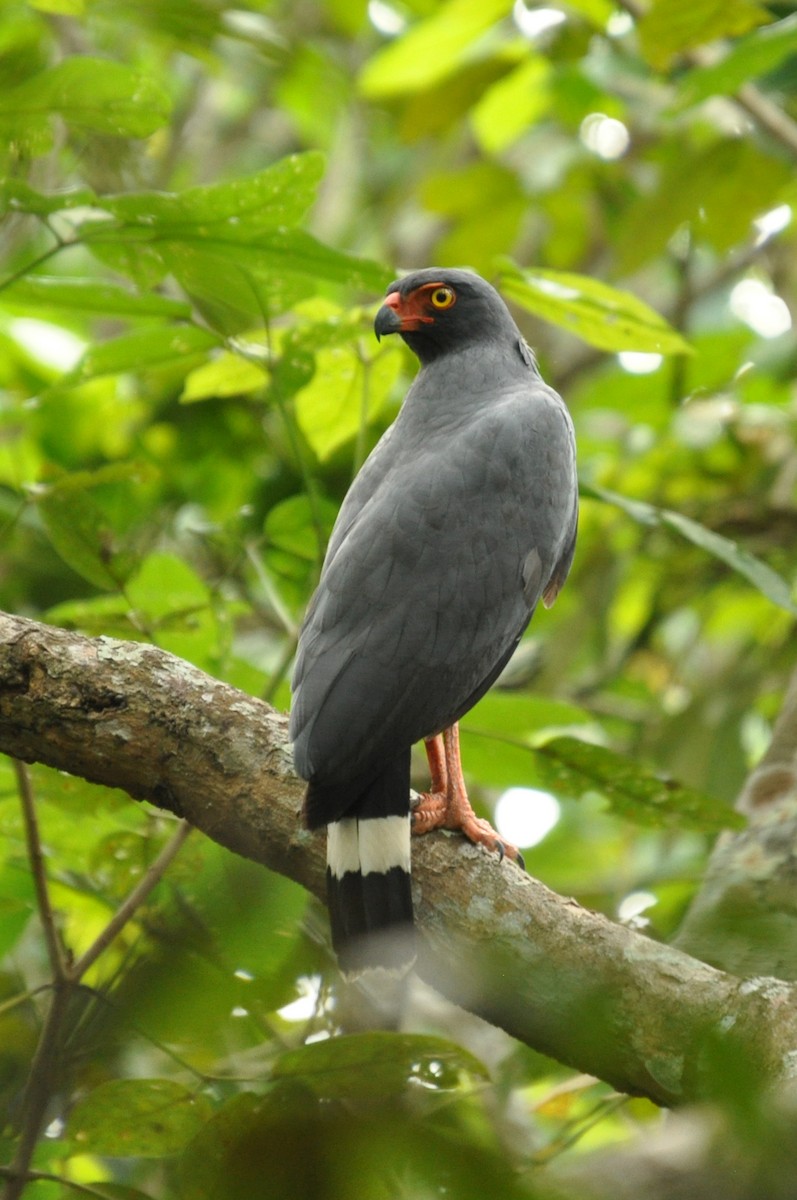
201 203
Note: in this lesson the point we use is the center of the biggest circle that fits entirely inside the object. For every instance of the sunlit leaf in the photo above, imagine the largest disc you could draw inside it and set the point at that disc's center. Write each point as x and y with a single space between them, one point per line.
432 48
166 584
512 105
145 1118
343 396
227 375
599 314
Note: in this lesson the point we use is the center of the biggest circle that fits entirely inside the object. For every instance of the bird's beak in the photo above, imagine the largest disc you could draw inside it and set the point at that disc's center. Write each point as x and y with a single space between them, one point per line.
387 320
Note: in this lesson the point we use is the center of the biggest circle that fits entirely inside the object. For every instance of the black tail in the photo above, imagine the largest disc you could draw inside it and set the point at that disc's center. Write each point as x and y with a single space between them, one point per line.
368 872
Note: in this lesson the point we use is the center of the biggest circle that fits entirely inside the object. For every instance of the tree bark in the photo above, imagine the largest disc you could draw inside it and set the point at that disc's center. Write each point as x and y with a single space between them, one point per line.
646 1017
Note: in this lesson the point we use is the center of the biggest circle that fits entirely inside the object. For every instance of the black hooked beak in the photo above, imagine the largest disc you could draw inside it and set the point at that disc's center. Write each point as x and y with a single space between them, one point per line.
387 320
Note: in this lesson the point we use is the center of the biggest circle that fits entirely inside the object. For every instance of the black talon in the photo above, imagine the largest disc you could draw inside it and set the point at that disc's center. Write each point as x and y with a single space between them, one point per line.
501 848
521 862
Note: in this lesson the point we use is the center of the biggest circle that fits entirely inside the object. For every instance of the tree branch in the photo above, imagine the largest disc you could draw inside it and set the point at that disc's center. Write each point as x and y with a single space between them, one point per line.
569 982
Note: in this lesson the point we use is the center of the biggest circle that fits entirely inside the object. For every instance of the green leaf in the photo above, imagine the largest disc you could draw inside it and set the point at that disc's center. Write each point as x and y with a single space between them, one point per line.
90 93
227 375
672 26
17 903
272 255
290 525
518 715
18 196
241 277
501 736
572 767
287 1143
748 58
84 295
376 1066
235 288
148 348
598 12
497 761
164 585
512 105
64 8
276 197
601 315
142 1118
767 581
345 394
80 532
762 576
232 246
432 49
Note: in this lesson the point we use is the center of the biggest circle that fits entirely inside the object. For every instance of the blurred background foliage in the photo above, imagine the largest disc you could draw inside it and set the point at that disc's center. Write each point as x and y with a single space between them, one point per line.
201 204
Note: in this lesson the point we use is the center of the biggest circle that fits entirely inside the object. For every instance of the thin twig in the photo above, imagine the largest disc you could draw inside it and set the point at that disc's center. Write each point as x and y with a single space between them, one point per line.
769 116
55 950
151 877
84 1189
39 261
278 607
41 1082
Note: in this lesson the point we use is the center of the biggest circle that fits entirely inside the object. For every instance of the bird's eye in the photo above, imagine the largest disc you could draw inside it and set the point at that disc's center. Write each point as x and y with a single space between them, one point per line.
443 297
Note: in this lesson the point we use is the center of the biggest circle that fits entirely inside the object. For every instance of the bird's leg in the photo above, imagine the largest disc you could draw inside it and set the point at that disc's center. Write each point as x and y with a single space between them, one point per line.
431 808
446 804
436 757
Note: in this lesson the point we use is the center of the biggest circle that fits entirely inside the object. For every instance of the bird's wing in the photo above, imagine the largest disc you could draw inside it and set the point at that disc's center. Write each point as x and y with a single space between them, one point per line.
433 574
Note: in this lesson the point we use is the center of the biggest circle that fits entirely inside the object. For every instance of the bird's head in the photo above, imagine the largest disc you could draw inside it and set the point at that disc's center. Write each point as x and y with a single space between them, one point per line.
439 310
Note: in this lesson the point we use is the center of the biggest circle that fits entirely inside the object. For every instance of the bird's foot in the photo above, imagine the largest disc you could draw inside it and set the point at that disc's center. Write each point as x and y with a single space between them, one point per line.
441 810
482 833
428 811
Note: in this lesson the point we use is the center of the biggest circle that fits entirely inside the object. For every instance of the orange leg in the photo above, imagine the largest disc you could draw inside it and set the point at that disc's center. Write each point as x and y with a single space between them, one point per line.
446 804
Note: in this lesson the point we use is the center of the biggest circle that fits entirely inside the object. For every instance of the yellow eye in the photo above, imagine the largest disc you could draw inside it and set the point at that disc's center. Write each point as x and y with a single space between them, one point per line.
443 297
